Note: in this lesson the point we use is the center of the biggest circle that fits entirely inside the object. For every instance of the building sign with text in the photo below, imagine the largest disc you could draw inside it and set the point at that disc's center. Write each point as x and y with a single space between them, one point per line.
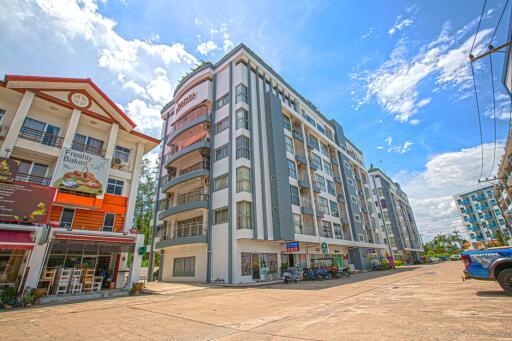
25 202
81 172
8 169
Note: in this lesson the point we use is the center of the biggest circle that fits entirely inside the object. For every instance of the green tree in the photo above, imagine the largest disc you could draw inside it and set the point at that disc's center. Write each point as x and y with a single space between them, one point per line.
500 239
444 244
145 203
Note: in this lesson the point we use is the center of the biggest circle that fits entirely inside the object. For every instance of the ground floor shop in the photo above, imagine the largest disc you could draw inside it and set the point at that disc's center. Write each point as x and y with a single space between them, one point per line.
15 250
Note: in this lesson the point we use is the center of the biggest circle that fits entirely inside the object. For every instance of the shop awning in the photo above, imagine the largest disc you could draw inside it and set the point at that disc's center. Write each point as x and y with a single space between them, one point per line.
79 242
16 240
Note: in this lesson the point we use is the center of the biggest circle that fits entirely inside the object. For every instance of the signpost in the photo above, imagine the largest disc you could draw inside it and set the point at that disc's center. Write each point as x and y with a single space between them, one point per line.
292 247
25 202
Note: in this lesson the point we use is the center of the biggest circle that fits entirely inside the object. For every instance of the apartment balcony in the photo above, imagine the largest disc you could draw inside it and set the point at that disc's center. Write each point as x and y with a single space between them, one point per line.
195 143
40 137
182 234
313 165
306 229
326 232
298 136
306 207
303 181
301 159
316 187
81 147
34 179
186 202
197 170
196 117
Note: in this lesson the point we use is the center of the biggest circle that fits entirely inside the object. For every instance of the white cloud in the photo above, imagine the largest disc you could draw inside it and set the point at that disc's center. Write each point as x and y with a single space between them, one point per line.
401 148
389 140
380 147
369 33
400 24
395 83
503 107
145 115
206 47
431 190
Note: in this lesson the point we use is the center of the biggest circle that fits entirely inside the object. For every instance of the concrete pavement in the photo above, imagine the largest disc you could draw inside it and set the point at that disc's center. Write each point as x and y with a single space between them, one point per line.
415 303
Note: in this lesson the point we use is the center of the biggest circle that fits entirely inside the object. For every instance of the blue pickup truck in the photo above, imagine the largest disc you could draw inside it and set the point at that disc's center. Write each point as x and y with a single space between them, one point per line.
492 264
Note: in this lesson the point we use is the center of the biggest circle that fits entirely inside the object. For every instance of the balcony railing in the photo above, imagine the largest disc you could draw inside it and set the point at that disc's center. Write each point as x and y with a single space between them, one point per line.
306 203
41 137
176 147
183 199
204 164
38 180
81 147
307 229
184 230
199 112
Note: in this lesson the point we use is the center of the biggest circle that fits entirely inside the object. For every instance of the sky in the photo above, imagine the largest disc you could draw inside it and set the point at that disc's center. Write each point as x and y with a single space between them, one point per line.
395 74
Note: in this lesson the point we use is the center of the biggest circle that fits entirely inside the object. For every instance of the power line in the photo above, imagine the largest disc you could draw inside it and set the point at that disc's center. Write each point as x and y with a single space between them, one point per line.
478 27
493 113
499 21
479 120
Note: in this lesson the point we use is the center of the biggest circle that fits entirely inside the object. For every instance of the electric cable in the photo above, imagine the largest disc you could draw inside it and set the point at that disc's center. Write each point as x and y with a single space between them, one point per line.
478 27
499 21
479 120
493 115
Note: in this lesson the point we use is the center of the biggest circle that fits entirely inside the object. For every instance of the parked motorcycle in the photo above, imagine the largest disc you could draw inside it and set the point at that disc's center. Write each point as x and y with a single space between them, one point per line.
289 276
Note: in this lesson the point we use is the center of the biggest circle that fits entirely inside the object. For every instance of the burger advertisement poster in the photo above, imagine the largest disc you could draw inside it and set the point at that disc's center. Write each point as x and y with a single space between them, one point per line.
81 172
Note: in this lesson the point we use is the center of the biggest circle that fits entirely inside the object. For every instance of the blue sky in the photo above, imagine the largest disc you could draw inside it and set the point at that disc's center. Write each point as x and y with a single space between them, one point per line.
395 74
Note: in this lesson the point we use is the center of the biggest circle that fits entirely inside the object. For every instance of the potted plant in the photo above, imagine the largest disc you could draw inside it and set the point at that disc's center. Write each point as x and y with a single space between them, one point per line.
28 299
9 297
137 286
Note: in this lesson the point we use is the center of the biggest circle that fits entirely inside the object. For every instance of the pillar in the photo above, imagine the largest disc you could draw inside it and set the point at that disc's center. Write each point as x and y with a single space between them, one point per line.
17 123
36 260
134 275
71 128
111 145
130 210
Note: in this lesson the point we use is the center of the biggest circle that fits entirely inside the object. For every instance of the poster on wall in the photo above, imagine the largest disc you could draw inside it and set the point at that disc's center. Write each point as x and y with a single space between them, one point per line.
8 169
25 202
81 172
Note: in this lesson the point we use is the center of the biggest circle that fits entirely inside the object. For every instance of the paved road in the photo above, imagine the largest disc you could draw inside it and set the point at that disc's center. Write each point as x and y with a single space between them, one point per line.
415 303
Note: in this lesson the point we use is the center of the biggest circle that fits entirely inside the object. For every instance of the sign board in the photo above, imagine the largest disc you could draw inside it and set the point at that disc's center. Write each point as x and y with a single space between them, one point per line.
81 172
25 202
8 169
371 250
325 248
142 250
292 247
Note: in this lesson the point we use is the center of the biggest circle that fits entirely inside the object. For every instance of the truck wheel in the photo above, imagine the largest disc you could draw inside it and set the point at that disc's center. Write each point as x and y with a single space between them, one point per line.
505 280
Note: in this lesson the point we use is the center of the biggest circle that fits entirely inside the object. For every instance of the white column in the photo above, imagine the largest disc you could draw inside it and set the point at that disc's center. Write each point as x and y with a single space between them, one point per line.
111 145
134 275
17 123
130 210
71 128
35 263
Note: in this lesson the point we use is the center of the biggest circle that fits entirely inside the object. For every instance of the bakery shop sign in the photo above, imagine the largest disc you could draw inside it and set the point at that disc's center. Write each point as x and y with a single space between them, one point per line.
81 172
186 101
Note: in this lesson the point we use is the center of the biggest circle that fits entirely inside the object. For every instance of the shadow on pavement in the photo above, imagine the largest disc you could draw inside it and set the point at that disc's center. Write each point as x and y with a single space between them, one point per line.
492 293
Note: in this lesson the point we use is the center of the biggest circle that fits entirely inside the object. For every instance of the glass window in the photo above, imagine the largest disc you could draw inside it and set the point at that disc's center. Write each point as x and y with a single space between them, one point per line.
327 168
292 169
242 119
326 229
222 125
350 181
222 101
287 123
2 114
320 128
222 152
243 215
316 161
330 187
289 144
246 263
335 212
241 94
323 205
221 216
66 218
220 182
294 195
243 179
353 199
87 144
115 186
243 148
324 149
108 222
122 153
320 182
337 231
184 267
313 141
310 120
357 217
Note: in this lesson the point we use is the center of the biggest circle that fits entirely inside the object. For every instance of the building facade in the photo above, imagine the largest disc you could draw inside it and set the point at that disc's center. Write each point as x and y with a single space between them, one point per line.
482 216
395 217
255 178
65 137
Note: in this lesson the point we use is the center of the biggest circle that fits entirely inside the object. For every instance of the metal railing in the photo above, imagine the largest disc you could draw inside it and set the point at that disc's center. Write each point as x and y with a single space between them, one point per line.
183 230
199 112
39 180
81 147
204 164
307 229
41 137
203 136
183 199
306 203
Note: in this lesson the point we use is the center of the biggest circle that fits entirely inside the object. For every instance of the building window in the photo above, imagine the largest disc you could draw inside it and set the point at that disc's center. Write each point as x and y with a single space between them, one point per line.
184 267
287 123
292 169
335 212
294 195
320 128
87 144
108 222
326 229
220 216
383 203
243 215
289 144
316 161
313 141
66 218
246 263
347 165
2 114
338 234
350 181
241 94
243 148
222 101
324 149
115 186
323 205
353 199
122 153
327 168
220 182
357 218
221 152
311 120
243 179
40 131
330 187
242 119
222 125
320 182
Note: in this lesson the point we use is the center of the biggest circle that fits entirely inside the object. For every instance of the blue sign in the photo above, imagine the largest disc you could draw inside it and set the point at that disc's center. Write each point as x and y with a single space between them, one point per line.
292 247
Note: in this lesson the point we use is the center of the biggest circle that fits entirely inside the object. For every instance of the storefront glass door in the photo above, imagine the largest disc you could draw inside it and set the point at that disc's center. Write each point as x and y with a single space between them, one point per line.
255 266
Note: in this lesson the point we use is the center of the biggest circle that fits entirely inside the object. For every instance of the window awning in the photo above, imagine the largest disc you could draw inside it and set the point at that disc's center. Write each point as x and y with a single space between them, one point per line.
79 242
16 240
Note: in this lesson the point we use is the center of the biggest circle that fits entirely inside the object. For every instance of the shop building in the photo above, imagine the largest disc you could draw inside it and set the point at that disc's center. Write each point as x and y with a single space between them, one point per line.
482 217
255 178
395 217
65 137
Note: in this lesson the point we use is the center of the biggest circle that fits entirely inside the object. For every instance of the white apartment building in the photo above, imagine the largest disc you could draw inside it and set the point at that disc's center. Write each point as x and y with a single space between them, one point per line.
255 178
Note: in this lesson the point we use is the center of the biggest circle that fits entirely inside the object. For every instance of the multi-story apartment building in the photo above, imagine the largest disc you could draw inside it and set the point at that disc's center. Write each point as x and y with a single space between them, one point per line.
69 174
481 215
395 217
254 177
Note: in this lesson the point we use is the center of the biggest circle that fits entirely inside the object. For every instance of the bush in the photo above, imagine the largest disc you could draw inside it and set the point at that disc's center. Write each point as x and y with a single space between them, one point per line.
9 296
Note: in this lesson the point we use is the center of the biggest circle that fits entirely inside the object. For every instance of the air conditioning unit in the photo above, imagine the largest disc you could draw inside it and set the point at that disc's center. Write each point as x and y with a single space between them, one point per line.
118 163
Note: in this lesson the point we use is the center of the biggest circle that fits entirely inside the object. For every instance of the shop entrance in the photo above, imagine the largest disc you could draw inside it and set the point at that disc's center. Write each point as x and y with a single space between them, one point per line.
255 266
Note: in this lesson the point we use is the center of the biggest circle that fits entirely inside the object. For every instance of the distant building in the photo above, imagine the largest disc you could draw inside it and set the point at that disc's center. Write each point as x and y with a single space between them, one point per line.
395 217
481 216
